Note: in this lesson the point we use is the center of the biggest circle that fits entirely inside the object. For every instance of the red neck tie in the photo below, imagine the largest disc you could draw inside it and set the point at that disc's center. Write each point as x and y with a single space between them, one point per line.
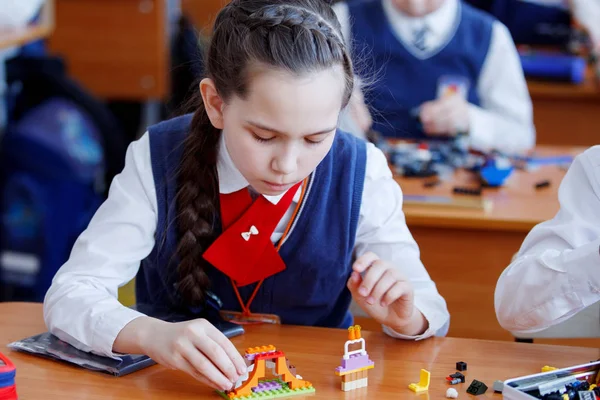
244 251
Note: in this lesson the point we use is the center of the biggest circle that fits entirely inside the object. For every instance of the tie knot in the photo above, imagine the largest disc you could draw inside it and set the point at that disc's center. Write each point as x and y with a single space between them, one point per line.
420 37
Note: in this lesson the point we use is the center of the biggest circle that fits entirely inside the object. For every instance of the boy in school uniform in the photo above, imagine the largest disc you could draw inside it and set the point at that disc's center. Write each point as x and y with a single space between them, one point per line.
556 273
441 68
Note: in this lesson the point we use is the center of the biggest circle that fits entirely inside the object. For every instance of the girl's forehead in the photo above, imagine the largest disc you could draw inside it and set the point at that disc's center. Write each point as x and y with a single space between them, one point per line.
294 103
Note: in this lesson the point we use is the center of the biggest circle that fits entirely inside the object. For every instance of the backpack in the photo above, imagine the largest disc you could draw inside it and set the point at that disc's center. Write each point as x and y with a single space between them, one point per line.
60 147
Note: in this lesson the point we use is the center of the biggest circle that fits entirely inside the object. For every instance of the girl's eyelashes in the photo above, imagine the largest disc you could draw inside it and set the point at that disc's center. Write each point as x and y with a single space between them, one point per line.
313 142
262 139
317 139
308 140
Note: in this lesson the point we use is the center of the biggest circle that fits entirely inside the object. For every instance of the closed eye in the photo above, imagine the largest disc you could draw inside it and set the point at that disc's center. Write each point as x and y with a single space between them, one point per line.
262 139
316 139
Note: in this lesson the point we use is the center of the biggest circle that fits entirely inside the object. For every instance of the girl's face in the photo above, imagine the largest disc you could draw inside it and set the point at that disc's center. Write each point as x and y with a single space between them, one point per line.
278 135
417 8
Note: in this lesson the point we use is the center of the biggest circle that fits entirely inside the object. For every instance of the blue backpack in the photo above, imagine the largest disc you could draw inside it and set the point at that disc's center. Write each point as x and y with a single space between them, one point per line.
58 151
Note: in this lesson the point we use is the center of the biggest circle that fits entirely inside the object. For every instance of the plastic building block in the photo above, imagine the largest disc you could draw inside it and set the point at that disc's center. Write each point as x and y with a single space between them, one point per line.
432 183
547 368
467 191
461 366
495 171
498 386
451 393
476 388
423 384
253 384
542 184
455 378
355 364
586 395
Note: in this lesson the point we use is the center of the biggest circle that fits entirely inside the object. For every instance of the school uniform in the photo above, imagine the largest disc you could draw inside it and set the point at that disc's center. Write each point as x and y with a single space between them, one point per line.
556 272
407 61
348 206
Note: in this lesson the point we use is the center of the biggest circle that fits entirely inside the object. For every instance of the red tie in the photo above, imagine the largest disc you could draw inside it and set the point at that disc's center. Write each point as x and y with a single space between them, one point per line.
244 250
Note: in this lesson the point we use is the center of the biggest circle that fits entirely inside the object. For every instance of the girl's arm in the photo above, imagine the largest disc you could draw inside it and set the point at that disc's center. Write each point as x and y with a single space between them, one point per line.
556 273
382 230
81 306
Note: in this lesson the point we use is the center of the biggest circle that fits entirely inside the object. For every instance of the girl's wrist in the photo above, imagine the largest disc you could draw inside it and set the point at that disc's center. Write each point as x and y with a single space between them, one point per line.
417 325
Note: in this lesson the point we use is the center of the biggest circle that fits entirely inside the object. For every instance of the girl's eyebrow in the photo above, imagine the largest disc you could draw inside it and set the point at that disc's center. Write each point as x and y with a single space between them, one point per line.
266 128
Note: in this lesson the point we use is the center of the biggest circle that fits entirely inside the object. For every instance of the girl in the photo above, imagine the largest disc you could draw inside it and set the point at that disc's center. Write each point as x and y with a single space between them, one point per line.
256 202
556 272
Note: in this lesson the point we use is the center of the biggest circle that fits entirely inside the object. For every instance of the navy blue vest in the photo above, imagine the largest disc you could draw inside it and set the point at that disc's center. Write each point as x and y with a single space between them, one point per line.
317 252
405 78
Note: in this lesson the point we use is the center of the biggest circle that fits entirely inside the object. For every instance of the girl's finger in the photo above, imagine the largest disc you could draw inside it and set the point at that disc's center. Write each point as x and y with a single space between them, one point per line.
370 278
384 284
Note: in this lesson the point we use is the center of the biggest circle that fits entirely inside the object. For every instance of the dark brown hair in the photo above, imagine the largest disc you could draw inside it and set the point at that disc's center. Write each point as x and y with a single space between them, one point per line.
297 36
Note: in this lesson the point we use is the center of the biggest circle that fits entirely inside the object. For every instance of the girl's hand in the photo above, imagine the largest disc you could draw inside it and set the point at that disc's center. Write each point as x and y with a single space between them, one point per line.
195 347
383 293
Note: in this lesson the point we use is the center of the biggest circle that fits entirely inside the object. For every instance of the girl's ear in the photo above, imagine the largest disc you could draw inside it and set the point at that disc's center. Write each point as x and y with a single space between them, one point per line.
212 102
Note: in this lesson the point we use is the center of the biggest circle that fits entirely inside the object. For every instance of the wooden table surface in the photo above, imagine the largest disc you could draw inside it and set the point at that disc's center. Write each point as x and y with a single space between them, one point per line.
517 206
315 352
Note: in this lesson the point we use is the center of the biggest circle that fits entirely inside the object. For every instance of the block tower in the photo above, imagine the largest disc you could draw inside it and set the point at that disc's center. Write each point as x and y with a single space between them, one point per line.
254 385
355 363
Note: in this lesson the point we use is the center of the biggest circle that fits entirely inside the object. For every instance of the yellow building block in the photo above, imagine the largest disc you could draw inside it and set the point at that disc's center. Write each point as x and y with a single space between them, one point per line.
423 384
127 294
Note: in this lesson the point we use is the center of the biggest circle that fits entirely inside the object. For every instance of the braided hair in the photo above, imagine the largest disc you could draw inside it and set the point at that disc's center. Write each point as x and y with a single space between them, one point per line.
297 36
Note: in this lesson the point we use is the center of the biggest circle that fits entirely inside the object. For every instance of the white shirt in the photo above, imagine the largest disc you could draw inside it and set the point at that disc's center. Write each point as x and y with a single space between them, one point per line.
587 13
504 120
556 273
81 306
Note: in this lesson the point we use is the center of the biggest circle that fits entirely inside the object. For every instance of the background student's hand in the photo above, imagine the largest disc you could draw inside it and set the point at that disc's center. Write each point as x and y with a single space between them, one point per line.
387 296
195 347
446 116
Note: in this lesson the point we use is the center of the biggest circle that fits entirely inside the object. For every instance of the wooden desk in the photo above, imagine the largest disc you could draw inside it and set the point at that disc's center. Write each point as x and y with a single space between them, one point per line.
117 49
566 114
315 352
202 12
465 251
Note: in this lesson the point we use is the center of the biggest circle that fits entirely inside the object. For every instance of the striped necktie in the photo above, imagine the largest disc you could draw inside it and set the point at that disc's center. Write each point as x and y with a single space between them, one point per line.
420 36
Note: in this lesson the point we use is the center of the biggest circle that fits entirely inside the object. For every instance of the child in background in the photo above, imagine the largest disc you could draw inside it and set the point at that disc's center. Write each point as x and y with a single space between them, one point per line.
442 68
256 199
556 273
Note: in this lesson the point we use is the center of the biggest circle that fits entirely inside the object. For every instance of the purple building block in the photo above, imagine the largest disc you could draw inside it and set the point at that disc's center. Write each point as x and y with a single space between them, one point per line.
268 385
355 361
251 357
